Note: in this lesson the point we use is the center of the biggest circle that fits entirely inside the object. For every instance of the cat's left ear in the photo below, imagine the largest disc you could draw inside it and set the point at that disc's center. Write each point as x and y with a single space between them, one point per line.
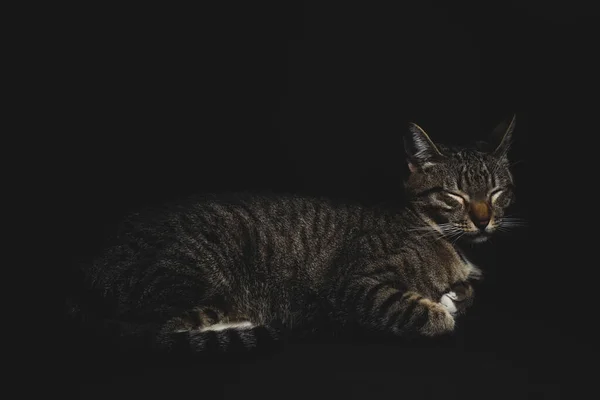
501 137
420 149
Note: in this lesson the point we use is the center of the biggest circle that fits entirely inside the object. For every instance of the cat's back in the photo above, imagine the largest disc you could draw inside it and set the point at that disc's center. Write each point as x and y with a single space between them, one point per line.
227 210
245 233
237 220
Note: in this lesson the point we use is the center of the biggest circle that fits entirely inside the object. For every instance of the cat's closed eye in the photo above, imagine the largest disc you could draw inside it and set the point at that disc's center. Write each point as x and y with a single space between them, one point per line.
501 197
495 194
459 198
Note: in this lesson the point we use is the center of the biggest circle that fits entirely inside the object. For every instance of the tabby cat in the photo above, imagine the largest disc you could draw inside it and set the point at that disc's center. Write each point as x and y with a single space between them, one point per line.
226 271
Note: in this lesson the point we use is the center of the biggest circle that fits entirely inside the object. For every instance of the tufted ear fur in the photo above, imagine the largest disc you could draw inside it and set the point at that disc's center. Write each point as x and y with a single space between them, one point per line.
501 137
420 149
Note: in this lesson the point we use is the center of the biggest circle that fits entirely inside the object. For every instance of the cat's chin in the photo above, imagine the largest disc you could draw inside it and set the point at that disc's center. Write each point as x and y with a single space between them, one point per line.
478 238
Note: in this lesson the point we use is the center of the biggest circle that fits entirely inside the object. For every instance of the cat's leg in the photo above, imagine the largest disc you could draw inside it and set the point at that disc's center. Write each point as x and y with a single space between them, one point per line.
387 306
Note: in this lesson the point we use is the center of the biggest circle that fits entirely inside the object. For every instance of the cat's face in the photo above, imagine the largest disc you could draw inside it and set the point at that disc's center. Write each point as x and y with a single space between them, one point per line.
463 192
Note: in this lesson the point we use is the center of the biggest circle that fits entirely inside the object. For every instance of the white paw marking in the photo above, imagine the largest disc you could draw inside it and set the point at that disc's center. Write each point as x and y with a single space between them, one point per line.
447 301
233 325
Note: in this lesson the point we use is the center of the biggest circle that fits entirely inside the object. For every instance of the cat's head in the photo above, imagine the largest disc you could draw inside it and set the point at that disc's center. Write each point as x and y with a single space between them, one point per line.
462 191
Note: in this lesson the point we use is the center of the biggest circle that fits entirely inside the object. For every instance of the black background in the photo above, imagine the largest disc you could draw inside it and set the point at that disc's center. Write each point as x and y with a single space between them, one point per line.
292 97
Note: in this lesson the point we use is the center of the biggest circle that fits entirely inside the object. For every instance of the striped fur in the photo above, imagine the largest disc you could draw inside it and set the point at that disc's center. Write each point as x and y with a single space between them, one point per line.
266 264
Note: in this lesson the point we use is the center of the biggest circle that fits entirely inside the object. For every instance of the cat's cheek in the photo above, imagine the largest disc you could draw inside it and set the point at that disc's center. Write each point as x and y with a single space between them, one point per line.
505 201
443 216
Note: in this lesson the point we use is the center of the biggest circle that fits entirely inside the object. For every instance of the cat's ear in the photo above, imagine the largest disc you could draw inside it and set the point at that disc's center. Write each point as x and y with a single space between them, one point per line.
501 137
420 149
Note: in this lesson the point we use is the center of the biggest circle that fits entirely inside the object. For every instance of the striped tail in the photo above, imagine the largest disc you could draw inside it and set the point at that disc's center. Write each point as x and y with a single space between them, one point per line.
241 337
231 338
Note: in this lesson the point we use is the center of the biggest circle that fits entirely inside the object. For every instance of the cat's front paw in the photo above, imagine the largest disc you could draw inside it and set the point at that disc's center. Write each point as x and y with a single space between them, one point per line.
440 321
448 301
458 299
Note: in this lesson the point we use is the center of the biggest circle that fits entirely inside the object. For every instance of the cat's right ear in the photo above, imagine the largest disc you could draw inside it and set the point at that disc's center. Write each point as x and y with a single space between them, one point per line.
501 137
420 150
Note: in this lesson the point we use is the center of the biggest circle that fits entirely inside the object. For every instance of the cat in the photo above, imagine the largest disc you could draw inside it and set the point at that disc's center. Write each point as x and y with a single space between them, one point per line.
227 271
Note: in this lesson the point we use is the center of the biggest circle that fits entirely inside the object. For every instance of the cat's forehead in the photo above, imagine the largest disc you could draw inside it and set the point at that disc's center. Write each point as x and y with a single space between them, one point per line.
473 170
465 154
461 158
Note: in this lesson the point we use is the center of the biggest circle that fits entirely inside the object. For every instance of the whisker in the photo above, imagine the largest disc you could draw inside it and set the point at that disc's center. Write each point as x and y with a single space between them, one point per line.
458 237
509 217
429 234
424 229
513 223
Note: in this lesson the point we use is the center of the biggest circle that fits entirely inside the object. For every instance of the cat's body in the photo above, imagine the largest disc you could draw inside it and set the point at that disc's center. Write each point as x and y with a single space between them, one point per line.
222 270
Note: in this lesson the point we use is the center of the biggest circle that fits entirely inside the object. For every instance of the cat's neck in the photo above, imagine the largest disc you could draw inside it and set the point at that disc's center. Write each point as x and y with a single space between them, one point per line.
393 219
412 216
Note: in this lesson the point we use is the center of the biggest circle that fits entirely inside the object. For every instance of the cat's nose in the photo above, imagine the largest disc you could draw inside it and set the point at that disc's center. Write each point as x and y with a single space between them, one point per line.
481 223
480 213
